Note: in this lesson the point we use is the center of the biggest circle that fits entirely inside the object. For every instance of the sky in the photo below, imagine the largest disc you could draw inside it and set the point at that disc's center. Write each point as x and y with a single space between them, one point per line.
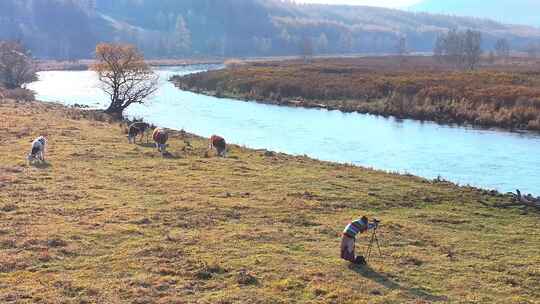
383 3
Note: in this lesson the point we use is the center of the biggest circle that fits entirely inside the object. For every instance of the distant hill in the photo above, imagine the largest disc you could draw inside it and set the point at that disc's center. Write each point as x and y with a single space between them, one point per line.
69 29
525 12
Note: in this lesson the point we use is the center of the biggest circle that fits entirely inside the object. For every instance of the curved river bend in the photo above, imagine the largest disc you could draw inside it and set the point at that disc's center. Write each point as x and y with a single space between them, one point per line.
484 158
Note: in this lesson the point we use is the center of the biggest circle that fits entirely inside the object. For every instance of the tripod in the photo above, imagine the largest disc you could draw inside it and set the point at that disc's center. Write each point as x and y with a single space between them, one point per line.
373 238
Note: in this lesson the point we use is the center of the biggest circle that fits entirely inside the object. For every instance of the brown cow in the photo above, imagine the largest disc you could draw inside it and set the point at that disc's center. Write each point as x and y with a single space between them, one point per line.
218 143
160 136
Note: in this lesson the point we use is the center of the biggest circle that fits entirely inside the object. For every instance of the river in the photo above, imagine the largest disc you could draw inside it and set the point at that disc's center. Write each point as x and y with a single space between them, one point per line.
489 159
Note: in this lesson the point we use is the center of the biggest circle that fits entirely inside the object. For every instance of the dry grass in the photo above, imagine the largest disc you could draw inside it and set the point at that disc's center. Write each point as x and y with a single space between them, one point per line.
109 222
506 96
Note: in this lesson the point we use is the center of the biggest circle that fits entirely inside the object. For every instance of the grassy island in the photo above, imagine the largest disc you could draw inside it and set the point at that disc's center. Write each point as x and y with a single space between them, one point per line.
504 96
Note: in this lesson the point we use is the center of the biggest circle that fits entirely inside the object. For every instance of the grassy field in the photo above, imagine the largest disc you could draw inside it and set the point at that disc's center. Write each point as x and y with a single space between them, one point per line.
502 95
108 222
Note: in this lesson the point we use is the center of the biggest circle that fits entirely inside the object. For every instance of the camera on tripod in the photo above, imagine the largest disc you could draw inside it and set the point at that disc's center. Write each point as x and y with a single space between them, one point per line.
374 237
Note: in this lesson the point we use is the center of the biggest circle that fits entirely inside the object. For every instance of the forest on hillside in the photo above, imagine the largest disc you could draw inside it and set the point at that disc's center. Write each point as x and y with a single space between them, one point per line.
70 29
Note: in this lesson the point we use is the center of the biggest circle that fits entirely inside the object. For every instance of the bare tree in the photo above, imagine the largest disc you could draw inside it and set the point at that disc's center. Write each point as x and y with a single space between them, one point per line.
183 36
307 49
449 48
533 49
346 42
472 48
462 49
16 65
401 46
455 48
502 48
322 43
124 75
263 45
491 57
439 51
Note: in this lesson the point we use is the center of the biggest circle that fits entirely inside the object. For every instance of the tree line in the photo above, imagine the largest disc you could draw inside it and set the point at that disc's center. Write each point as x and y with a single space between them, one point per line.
463 49
70 29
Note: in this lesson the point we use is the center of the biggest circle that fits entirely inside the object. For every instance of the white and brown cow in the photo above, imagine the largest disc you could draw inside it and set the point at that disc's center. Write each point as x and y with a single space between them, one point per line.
218 143
137 128
160 137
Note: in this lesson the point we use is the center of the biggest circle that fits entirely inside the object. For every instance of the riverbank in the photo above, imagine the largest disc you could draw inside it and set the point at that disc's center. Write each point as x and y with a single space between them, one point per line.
84 64
108 222
504 96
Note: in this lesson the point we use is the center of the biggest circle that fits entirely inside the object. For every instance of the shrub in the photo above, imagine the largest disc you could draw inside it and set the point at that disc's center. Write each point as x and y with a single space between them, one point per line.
17 94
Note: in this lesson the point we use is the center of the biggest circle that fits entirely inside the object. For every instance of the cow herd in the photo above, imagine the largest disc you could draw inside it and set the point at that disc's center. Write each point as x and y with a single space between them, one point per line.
159 135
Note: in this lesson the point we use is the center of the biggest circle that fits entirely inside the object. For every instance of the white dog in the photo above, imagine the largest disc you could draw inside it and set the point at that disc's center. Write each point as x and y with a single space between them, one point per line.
38 149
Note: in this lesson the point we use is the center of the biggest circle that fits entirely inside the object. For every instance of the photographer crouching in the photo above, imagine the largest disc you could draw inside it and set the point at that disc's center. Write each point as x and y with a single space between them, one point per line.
348 239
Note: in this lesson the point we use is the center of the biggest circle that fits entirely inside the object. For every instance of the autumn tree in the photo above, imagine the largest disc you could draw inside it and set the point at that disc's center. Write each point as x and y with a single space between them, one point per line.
16 65
124 75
